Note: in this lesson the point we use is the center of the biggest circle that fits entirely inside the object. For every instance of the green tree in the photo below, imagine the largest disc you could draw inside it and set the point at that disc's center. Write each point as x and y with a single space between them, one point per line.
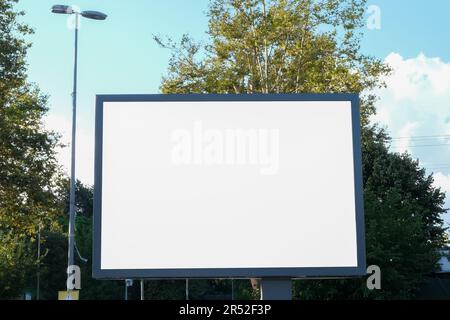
28 169
284 46
53 262
90 288
53 265
84 198
312 46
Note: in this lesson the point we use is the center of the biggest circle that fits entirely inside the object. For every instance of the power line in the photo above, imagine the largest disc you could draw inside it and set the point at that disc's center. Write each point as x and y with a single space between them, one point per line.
423 145
429 140
445 136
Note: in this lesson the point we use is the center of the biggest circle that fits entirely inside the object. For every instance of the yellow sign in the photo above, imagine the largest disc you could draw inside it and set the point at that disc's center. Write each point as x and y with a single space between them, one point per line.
68 295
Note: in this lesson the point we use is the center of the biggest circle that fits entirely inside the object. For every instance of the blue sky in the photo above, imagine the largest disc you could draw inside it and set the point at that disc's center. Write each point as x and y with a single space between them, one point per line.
119 56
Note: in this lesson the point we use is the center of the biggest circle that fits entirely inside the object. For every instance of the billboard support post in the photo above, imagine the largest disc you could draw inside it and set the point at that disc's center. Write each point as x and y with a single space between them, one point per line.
276 289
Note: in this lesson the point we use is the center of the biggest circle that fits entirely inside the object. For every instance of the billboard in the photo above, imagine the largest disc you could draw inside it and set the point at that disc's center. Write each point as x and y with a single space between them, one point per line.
217 186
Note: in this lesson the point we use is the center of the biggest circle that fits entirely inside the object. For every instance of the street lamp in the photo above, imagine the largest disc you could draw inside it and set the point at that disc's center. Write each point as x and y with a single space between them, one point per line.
95 15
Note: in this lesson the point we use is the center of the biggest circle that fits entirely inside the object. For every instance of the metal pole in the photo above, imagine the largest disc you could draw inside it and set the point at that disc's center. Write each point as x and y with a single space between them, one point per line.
276 289
126 290
72 164
39 263
187 289
142 289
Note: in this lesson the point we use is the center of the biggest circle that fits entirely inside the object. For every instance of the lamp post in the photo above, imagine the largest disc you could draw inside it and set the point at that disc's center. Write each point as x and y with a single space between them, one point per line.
62 9
38 276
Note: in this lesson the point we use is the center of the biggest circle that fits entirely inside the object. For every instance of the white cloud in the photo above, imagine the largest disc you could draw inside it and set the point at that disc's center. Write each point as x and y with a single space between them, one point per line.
406 132
416 103
443 181
417 91
84 162
412 77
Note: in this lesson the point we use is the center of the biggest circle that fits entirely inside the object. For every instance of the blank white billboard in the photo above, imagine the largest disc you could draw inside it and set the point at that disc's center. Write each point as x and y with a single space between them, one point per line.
197 187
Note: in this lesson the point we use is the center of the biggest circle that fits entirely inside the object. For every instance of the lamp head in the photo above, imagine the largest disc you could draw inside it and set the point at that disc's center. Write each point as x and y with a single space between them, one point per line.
62 9
96 15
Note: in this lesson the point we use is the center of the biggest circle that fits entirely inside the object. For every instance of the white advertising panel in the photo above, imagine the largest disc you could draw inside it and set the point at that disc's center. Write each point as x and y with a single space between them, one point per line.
228 186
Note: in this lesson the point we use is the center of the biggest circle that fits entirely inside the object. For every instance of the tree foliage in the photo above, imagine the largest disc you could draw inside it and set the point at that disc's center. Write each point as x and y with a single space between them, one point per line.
28 168
284 46
84 198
